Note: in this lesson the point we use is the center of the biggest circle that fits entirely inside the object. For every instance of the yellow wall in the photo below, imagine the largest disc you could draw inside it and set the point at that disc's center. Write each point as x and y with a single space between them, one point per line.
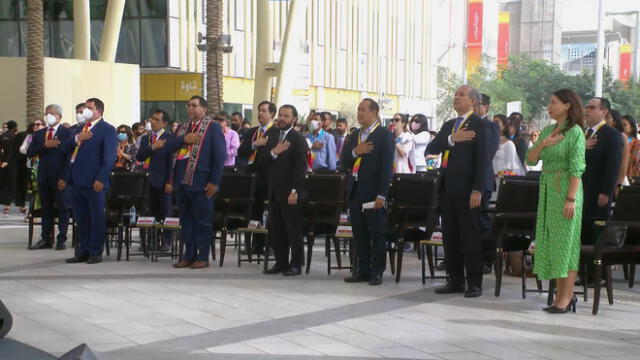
170 87
68 82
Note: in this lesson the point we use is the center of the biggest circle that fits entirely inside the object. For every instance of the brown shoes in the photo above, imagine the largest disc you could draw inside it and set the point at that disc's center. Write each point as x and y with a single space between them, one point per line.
200 265
182 264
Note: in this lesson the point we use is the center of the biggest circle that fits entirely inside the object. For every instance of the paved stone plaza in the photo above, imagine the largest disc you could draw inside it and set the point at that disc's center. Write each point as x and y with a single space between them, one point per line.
144 310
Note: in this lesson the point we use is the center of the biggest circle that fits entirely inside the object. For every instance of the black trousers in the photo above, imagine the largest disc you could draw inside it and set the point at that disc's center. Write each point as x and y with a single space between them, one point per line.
368 236
50 195
285 231
462 239
160 205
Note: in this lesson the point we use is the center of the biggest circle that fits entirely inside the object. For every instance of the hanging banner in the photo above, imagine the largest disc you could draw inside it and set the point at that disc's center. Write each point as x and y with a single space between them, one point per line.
474 36
503 39
625 62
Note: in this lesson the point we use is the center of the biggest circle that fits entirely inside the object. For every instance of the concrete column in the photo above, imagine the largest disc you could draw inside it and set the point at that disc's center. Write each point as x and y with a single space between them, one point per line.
111 31
290 49
600 50
264 56
81 30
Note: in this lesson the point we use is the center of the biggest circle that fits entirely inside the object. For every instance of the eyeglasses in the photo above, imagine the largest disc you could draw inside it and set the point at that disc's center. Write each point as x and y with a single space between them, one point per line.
397 120
122 132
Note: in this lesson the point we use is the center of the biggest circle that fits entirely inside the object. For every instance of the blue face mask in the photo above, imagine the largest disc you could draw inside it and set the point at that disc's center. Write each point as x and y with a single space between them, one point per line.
122 137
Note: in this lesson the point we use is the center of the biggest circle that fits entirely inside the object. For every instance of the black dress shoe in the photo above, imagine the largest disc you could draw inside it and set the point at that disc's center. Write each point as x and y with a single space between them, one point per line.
292 271
450 288
60 245
375 280
274 270
41 245
473 291
94 259
77 259
357 278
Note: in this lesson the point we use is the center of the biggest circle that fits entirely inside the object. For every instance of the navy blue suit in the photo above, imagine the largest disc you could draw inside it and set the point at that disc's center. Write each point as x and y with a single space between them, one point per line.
374 177
196 210
53 165
94 161
466 171
159 171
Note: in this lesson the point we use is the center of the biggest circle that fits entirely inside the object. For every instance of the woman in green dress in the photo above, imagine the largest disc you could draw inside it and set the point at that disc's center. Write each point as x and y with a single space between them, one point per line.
561 147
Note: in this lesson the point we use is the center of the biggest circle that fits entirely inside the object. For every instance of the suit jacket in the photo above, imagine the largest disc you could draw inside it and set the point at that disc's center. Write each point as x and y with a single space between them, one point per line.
53 164
469 162
96 156
161 160
376 167
493 143
260 166
601 174
287 171
210 164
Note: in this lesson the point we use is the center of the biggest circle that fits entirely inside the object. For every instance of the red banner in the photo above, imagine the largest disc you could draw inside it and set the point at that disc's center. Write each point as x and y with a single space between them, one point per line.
503 39
625 62
474 36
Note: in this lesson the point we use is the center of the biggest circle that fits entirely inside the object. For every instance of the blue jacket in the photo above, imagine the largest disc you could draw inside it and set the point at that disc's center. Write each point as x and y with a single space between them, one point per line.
160 164
96 156
210 165
53 164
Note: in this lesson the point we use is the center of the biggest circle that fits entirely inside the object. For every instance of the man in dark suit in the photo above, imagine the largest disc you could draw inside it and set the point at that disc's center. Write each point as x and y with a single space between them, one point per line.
368 156
254 150
157 160
287 162
93 153
53 168
603 158
196 175
466 157
486 224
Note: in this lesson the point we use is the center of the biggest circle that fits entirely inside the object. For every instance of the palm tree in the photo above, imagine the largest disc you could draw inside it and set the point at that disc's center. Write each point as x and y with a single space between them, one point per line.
214 55
35 59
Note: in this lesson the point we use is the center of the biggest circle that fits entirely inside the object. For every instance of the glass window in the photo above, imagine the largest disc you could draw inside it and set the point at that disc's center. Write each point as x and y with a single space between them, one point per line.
10 39
131 9
148 107
62 10
153 42
97 26
98 9
129 42
61 39
153 8
8 9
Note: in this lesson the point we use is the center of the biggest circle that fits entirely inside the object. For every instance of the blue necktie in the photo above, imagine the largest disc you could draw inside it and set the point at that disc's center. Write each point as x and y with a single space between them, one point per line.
458 122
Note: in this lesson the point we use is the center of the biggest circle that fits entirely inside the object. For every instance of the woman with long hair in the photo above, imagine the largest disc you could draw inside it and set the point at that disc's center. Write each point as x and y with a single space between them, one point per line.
630 130
561 146
419 126
614 119
126 148
404 158
506 160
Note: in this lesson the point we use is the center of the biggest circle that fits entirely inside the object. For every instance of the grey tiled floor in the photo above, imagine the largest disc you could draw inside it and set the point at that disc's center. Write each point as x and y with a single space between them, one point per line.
139 309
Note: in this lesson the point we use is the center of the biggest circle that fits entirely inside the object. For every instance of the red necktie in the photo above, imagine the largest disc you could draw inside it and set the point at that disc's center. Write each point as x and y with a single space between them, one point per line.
153 138
50 134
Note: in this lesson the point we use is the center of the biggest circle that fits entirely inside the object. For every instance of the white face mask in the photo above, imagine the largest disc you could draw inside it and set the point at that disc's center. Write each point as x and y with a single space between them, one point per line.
80 118
50 119
87 114
147 126
314 124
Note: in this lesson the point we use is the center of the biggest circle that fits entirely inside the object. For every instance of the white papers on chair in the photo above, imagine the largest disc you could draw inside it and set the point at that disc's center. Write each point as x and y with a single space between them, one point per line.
146 220
344 230
253 224
436 237
344 218
171 221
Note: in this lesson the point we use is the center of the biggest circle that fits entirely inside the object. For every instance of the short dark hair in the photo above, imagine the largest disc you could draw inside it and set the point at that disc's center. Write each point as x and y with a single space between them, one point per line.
294 111
135 125
272 107
341 121
605 104
98 103
202 101
517 114
224 114
325 114
12 125
81 105
373 105
165 115
485 99
237 113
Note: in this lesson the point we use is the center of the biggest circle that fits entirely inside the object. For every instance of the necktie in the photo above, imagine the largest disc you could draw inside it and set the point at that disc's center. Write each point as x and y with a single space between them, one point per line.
458 122
589 133
50 134
282 135
339 146
153 138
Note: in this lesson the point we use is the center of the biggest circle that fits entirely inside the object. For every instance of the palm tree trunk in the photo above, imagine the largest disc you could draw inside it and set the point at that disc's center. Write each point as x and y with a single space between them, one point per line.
35 60
214 55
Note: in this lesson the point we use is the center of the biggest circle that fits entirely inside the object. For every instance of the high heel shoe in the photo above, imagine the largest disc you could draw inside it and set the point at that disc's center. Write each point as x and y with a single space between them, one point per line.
570 307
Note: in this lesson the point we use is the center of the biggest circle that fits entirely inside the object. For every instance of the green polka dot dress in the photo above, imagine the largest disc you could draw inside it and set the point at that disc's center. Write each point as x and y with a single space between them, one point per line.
557 238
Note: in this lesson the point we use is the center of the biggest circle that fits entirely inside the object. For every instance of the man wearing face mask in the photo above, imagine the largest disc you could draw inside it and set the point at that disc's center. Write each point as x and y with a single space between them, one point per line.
323 148
93 153
53 168
79 119
287 167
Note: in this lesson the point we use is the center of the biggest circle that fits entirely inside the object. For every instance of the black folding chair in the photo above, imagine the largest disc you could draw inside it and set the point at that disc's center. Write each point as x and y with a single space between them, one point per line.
322 211
233 207
414 203
515 216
